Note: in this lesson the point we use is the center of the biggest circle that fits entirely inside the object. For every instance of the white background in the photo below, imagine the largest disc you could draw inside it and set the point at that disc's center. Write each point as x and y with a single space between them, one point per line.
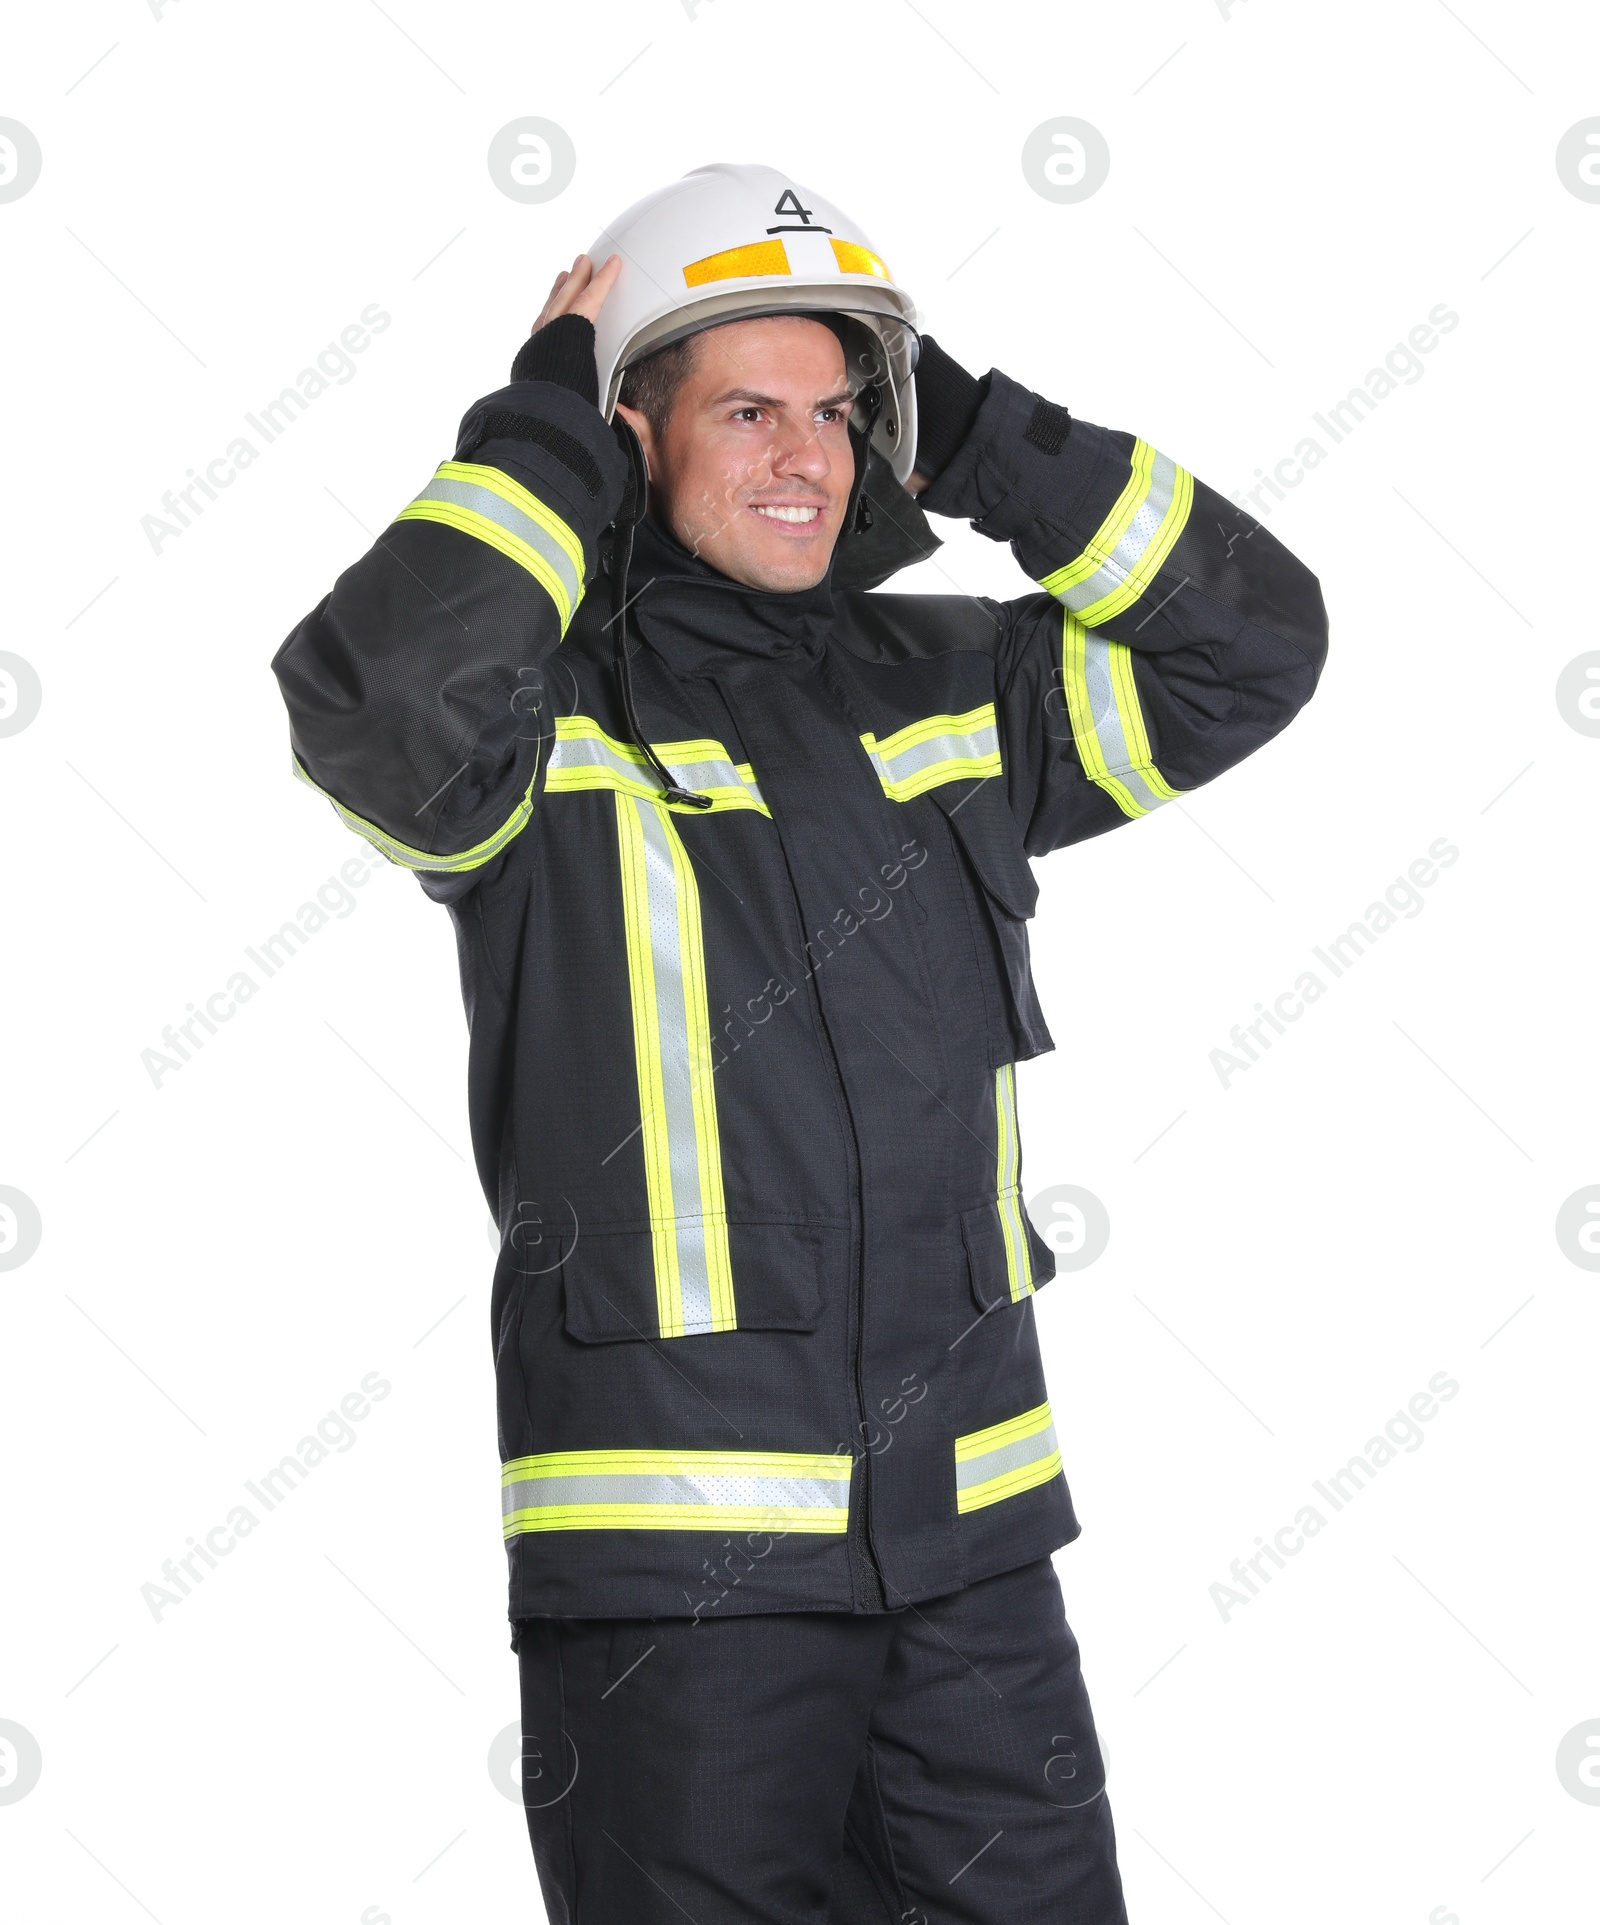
306 1735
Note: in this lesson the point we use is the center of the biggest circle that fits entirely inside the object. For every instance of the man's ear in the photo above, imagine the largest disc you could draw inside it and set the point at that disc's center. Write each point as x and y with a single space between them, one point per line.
647 440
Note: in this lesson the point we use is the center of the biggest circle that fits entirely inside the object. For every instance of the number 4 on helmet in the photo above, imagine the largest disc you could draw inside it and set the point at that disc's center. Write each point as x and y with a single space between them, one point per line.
729 243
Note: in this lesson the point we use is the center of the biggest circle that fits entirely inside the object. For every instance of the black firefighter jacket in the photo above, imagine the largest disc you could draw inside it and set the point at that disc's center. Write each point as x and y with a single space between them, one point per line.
741 1078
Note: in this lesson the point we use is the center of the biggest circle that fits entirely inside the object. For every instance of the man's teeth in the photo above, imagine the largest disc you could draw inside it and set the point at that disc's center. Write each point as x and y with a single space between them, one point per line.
788 514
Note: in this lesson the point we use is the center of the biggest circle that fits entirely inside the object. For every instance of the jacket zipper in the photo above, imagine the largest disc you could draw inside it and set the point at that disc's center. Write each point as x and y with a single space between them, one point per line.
867 1584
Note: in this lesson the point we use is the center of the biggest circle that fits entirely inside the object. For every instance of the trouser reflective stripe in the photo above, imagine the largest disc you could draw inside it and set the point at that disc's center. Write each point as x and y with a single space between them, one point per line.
585 757
939 748
672 1051
1107 721
487 504
1005 1459
1008 1194
1132 542
677 1490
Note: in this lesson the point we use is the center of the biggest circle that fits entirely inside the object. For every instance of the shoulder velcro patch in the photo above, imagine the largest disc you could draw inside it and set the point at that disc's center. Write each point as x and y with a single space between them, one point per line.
1048 426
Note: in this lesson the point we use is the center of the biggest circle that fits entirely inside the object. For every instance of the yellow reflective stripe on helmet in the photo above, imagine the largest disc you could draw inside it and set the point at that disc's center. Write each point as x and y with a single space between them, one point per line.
672 1055
676 1490
585 757
738 263
939 748
1107 720
855 259
1131 543
487 504
409 858
1008 1192
1006 1458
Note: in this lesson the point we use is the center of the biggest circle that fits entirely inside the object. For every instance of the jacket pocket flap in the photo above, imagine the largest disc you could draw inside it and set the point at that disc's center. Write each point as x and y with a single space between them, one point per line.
1007 1259
630 1286
1044 1256
987 831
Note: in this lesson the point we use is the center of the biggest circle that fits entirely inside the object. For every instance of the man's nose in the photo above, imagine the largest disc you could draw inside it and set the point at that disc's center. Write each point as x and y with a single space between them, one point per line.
798 451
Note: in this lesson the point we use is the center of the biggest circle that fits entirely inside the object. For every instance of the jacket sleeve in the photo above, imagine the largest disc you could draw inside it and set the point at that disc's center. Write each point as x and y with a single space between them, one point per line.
1171 636
412 687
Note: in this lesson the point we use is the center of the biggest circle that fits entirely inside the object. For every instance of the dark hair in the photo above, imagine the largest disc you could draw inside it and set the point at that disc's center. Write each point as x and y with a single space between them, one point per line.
651 386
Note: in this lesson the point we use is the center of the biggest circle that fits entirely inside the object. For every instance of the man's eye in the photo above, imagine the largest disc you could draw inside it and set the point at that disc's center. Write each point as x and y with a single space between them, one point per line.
747 414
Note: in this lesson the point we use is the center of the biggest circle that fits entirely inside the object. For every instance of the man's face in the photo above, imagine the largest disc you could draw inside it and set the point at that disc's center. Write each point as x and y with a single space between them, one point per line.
755 467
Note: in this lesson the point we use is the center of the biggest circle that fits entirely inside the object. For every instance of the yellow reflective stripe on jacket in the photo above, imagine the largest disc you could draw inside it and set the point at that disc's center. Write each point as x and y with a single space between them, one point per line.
585 757
486 503
1006 1458
672 1054
1008 1192
409 858
1131 543
676 1490
1107 721
939 748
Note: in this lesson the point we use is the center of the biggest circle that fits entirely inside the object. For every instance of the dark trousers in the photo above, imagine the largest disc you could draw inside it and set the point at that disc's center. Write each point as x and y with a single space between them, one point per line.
935 1765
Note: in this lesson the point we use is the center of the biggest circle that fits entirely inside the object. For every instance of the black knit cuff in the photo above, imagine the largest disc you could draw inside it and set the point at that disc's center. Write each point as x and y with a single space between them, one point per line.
948 400
562 351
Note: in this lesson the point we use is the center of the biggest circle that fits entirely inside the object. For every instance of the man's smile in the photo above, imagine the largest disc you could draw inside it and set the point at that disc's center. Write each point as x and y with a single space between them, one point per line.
795 513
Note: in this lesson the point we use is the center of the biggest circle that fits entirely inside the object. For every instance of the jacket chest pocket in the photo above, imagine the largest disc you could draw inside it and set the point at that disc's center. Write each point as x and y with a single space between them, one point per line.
1005 892
694 1277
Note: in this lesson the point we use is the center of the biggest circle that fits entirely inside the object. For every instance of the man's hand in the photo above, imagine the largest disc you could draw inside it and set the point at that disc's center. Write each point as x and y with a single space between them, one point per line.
580 289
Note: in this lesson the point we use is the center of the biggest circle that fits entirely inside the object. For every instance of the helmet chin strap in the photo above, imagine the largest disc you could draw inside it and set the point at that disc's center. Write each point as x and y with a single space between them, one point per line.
871 398
628 517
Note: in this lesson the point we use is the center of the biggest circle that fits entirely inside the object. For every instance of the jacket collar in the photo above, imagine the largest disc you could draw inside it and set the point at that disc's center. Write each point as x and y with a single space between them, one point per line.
691 613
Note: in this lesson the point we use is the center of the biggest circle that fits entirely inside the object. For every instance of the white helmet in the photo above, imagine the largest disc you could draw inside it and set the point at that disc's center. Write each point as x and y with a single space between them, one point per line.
727 243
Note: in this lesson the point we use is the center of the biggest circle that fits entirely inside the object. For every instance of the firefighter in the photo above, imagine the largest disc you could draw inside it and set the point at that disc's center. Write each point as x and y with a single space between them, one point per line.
738 858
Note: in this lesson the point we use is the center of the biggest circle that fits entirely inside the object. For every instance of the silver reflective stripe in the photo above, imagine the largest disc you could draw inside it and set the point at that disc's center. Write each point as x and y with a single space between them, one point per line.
588 752
594 752
677 1091
1136 538
748 1492
1126 761
674 1063
1008 1457
677 1490
716 774
409 858
1008 1192
1147 798
479 500
938 748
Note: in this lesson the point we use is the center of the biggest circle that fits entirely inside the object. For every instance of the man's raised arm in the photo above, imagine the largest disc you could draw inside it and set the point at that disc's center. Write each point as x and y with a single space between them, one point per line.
402 684
1173 634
